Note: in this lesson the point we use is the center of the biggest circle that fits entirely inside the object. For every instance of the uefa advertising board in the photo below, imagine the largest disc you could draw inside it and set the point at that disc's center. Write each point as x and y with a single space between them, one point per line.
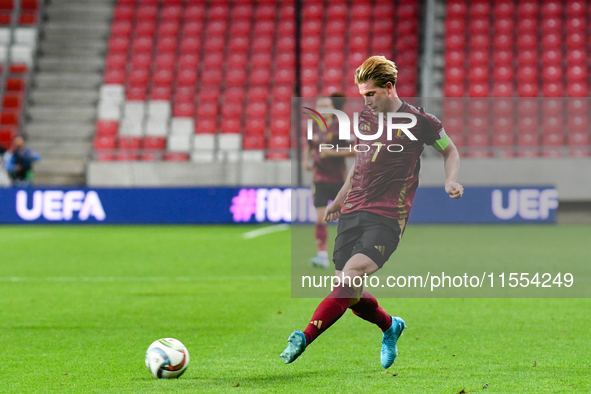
224 205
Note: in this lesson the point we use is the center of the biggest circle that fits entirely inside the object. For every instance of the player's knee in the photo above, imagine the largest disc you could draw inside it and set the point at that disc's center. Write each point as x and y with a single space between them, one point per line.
352 277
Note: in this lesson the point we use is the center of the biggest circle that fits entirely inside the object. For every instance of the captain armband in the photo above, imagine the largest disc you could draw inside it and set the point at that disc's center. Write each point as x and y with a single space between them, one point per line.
441 143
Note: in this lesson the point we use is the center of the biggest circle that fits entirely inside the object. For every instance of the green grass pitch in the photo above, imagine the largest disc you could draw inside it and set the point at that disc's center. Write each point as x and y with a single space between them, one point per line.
80 305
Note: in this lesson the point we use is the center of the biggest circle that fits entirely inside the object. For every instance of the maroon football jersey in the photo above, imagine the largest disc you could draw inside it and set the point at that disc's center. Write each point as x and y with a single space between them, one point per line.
385 182
330 169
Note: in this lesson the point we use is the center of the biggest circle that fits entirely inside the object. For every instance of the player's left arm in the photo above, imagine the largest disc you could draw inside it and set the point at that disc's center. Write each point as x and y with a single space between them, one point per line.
451 160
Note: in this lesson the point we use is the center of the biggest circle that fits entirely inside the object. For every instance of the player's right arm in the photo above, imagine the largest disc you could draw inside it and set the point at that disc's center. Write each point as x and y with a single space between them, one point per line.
333 210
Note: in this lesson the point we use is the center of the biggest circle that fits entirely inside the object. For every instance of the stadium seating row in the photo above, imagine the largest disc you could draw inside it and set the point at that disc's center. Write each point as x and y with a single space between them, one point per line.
226 70
526 49
18 41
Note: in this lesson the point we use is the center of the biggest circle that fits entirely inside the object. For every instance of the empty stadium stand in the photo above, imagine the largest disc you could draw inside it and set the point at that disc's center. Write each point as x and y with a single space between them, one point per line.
213 81
18 39
534 50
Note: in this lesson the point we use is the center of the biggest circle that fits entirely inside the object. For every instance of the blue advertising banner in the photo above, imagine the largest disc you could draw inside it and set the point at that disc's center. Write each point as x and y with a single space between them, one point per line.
257 205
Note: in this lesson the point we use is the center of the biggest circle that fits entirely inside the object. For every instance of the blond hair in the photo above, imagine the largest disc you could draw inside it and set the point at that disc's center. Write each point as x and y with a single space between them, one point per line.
377 69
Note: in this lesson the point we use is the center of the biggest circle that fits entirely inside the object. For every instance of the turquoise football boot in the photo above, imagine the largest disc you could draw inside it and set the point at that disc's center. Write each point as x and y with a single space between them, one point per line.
391 335
296 344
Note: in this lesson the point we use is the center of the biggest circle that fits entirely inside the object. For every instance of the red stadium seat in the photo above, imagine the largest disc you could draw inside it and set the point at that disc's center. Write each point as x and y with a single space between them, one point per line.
207 110
237 44
453 89
257 93
17 68
480 26
503 131
145 29
265 12
161 93
121 28
230 126
189 78
503 74
171 12
129 143
551 9
25 18
257 110
255 126
455 42
188 61
284 76
183 110
214 44
123 13
147 13
503 10
118 45
259 77
503 42
553 90
15 84
104 142
478 90
136 93
116 61
504 58
241 12
169 29
141 61
478 75
30 5
138 77
116 77
553 41
454 75
528 90
552 74
527 26
527 58
527 9
457 9
527 42
142 45
216 28
107 128
231 111
552 26
206 126
503 89
253 142
312 11
279 142
310 59
504 26
194 12
192 29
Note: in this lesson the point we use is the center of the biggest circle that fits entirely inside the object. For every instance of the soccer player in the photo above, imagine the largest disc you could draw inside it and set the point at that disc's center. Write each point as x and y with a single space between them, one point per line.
373 206
328 171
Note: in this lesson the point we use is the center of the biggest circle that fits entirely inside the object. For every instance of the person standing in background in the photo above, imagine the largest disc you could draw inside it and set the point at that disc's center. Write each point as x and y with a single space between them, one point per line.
19 162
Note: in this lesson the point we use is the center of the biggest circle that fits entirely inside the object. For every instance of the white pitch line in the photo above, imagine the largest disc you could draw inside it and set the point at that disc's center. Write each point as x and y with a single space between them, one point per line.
265 230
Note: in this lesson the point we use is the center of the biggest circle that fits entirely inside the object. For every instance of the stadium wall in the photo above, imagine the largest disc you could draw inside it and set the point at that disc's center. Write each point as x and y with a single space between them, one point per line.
571 177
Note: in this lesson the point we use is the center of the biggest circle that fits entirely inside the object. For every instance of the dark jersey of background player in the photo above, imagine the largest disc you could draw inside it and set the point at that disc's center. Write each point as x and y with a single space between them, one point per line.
385 182
328 169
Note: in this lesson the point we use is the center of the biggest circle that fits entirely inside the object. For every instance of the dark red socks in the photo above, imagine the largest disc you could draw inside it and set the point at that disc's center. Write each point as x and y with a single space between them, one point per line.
368 309
328 312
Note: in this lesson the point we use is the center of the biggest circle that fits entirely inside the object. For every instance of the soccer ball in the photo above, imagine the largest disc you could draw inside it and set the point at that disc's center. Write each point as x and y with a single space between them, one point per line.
167 358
